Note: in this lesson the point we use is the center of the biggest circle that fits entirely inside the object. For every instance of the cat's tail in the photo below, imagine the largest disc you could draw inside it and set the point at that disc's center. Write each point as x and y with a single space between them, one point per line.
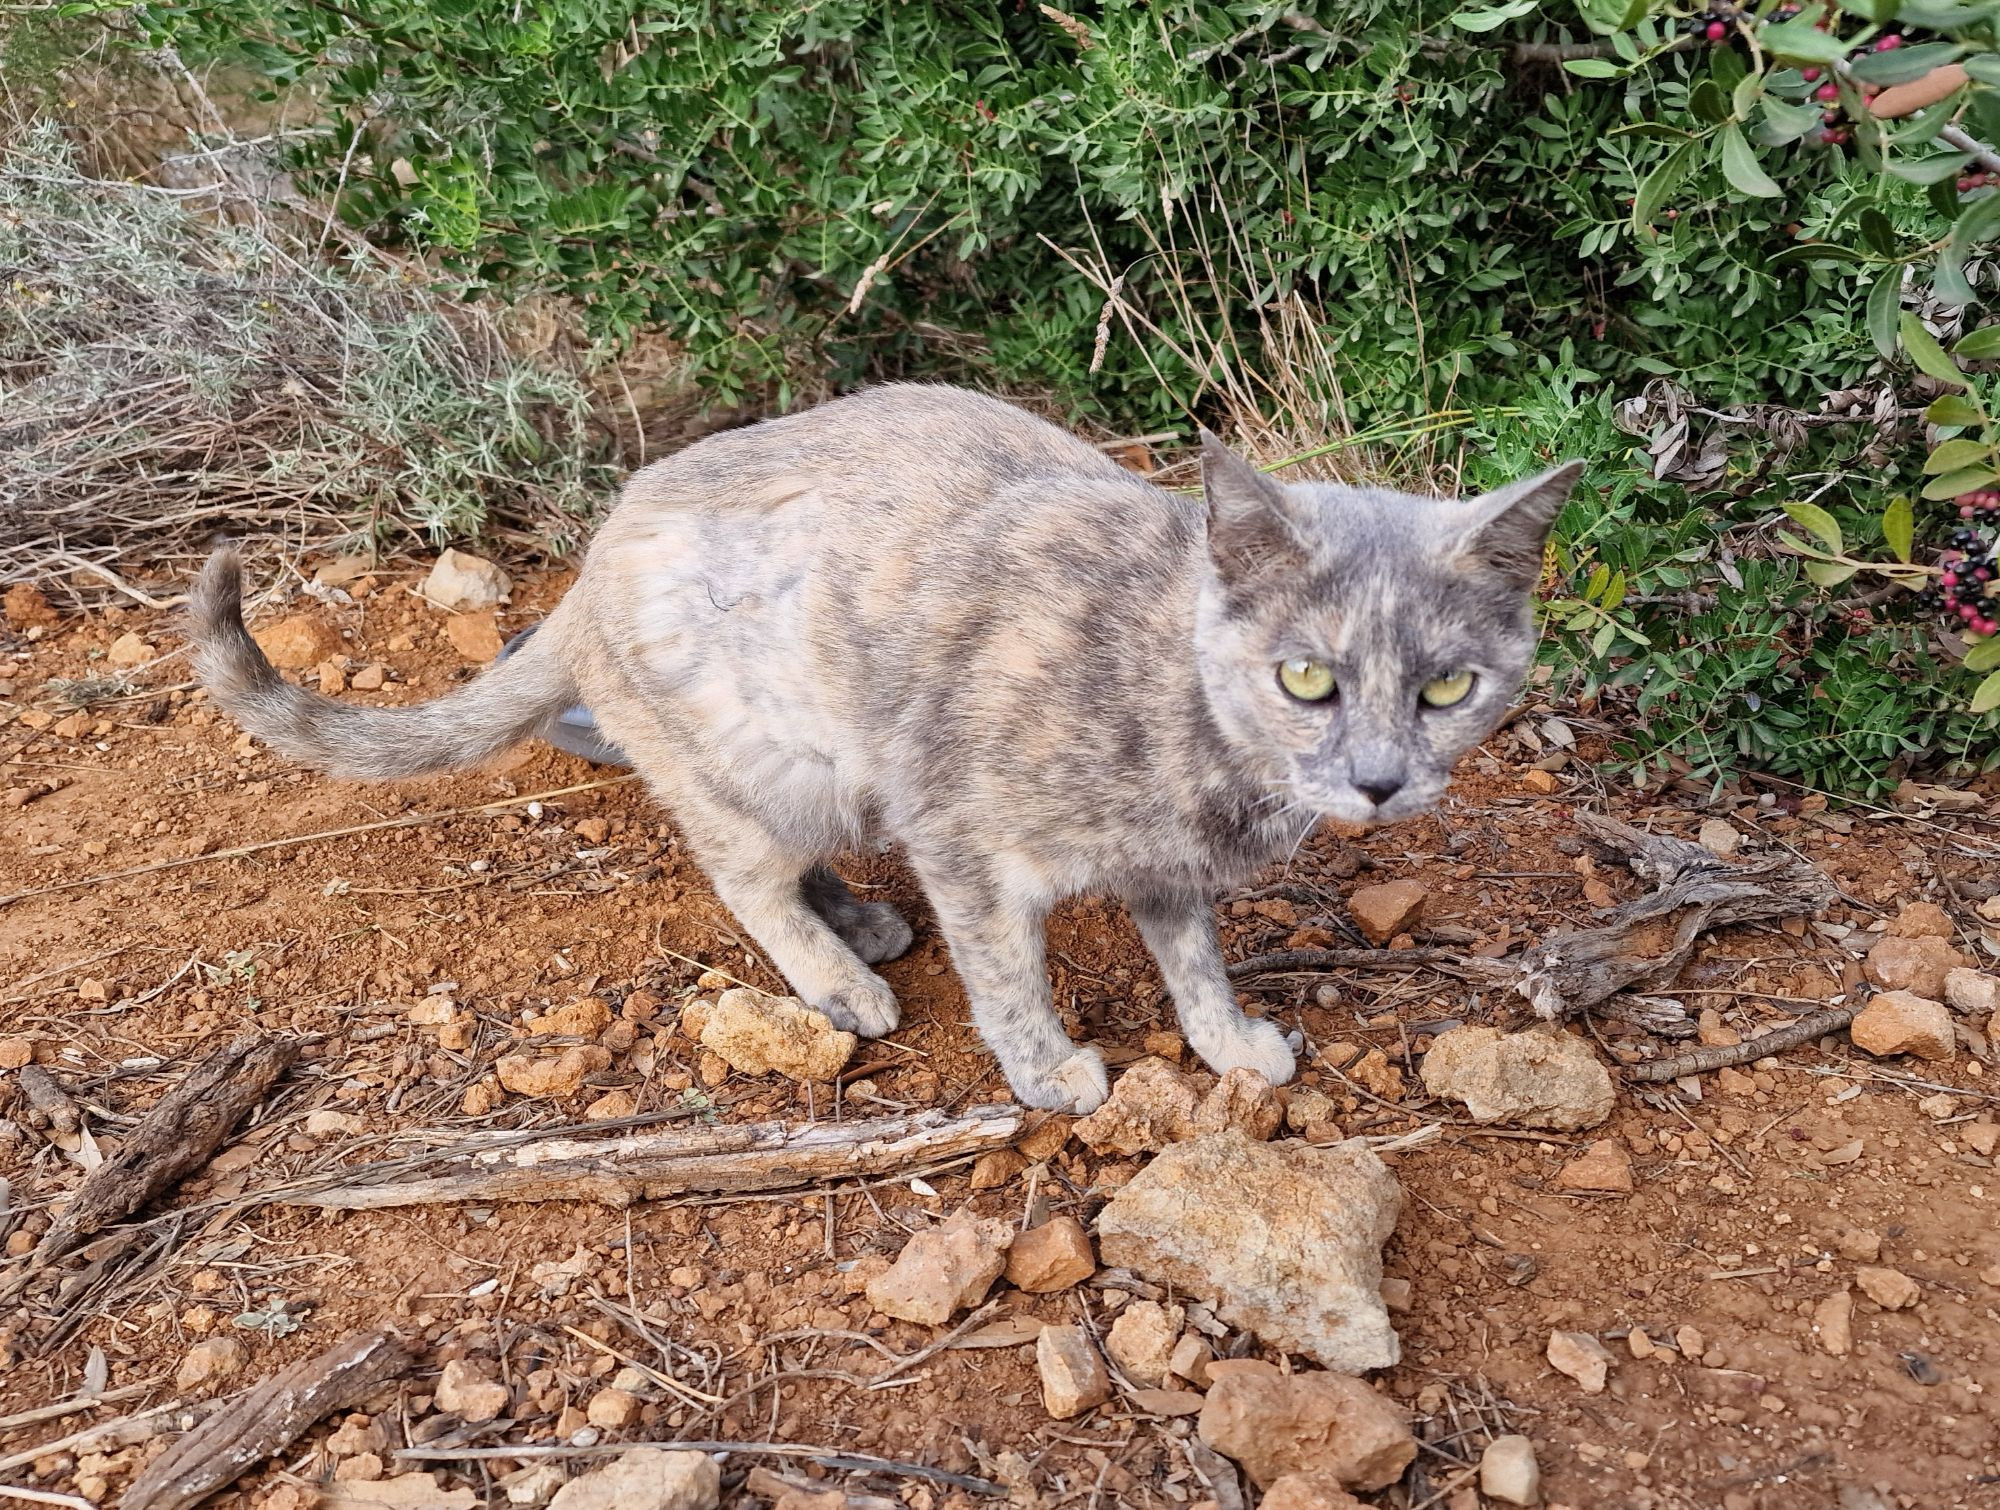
508 703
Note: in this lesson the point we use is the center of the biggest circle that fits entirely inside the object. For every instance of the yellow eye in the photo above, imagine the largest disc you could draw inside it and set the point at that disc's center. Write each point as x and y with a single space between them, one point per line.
1443 691
1308 681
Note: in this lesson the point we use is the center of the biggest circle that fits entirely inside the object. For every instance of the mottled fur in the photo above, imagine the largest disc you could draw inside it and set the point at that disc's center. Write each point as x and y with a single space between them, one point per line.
922 614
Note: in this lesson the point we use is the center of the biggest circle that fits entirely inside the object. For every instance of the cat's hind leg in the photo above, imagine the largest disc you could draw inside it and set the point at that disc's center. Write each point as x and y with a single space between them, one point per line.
1179 928
873 930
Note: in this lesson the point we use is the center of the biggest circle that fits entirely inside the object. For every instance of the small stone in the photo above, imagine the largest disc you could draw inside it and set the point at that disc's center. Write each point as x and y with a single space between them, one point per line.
460 583
369 678
758 1034
130 650
1582 1357
612 1106
1508 1471
1312 1115
553 1075
534 1485
1901 1022
16 1052
1074 1377
646 1478
1000 1167
1921 920
207 1366
612 1408
469 1392
943 1271
1162 1044
406 1491
1605 1165
1374 1073
1051 1257
1638 1344
1981 1137
430 1012
1534 1078
1382 912
1860 1244
479 1099
298 641
1733 1082
1938 1107
1151 1106
1141 1341
1277 1424
1309 1491
1917 965
1891 1289
1166 1402
362 1468
25 607
1972 991
1833 1323
593 830
358 1434
1545 782
474 636
1244 1100
1718 837
327 1123
1713 1032
1047 1140
585 1017
1190 1360
1398 1294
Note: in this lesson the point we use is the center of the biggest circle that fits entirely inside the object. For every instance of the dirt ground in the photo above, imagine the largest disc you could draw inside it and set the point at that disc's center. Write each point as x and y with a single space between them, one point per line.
1751 1206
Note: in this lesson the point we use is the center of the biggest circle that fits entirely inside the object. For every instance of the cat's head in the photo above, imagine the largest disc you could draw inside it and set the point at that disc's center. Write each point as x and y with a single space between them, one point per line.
1355 642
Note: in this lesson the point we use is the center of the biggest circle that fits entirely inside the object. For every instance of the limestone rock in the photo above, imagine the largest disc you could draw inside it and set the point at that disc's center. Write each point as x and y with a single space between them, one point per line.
1309 1491
474 636
298 641
459 583
130 650
1718 837
999 1167
1918 965
1141 1341
1312 1115
1283 1239
1051 1257
208 1366
612 1408
1151 1106
1074 1377
1921 920
943 1271
646 1478
552 1075
1190 1360
406 1491
1382 912
25 607
1972 991
1244 1100
1833 1323
1901 1022
758 1034
1277 1424
1605 1165
1536 1078
1891 1289
467 1390
1509 1473
585 1017
1582 1357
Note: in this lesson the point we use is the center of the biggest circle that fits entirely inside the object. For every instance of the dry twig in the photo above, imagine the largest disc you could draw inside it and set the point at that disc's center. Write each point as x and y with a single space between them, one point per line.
1722 1055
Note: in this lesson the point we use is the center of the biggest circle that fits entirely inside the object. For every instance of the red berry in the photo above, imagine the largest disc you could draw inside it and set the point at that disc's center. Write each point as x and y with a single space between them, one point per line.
1965 185
1967 612
1808 74
1717 31
1889 43
1827 92
1966 511
1949 579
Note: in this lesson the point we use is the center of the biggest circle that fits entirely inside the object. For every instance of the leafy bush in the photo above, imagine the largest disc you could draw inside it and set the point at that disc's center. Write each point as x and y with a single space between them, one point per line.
1289 217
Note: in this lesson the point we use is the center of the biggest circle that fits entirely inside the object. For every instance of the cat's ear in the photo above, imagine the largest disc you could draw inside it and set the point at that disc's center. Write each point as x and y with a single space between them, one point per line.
1504 531
1250 521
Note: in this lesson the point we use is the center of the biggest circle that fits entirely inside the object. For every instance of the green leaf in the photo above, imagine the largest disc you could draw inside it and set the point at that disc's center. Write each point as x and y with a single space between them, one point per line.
1899 526
1593 68
1980 344
1798 41
1949 284
1953 409
1953 483
1930 170
1984 67
1987 697
1795 545
1743 98
1877 232
1708 102
1785 122
1984 654
1662 181
1741 168
1926 353
1900 65
1816 519
1830 573
1885 302
1494 19
1956 456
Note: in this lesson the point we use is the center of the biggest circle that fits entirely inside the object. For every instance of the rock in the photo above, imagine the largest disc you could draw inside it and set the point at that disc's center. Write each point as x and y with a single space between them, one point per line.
552 1075
1190 1360
1891 1289
327 1123
1047 1140
1901 1022
459 583
1244 1100
1382 912
430 1012
1051 1257
1582 1357
1537 1078
298 641
1141 1341
1312 1115
612 1106
646 1478
207 1366
1605 1165
1374 1073
16 1052
1862 1244
1545 782
1921 920
1277 1424
130 650
1718 837
369 678
1918 965
943 1271
585 1017
1074 1377
342 570
1283 1239
1972 991
358 1434
362 1468
1309 1491
468 1391
534 1485
1508 1471
990 1171
1981 1137
612 1408
25 607
1151 1106
1833 1323
474 636
406 1491
758 1034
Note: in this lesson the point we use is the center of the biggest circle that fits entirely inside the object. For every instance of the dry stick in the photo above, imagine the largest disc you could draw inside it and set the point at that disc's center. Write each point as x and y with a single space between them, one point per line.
408 820
268 1418
49 1105
44 1497
829 1457
1343 959
126 1431
63 1408
1722 1055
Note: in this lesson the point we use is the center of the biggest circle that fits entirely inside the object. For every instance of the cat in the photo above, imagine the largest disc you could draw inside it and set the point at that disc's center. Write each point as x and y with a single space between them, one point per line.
922 614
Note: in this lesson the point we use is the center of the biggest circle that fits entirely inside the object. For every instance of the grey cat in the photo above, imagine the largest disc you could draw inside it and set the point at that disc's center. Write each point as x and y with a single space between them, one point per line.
921 614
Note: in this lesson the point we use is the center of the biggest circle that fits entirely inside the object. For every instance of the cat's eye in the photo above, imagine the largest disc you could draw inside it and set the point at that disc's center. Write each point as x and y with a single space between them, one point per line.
1443 691
1307 680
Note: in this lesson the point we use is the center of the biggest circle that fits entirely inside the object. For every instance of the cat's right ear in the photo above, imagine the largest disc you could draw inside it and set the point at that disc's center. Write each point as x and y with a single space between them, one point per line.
1250 528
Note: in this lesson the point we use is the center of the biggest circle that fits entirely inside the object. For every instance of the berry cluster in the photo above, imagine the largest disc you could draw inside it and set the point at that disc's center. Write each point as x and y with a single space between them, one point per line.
1966 587
1973 181
1713 25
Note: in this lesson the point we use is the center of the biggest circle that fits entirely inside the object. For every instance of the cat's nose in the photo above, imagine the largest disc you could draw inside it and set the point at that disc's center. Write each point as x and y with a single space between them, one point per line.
1380 789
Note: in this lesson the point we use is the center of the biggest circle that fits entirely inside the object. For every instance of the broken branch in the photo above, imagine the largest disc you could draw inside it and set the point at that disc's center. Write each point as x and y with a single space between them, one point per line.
1723 1055
1344 959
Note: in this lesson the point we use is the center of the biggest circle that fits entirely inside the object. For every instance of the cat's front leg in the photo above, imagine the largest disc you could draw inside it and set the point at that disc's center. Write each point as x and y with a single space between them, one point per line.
1179 928
997 942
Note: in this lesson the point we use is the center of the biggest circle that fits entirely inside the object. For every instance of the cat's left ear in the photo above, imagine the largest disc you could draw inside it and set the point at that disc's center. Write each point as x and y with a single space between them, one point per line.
1505 530
1251 530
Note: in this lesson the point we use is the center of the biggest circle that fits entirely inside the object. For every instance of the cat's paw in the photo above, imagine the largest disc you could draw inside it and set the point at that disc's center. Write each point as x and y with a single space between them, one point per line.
1076 1084
866 1007
875 931
1253 1043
